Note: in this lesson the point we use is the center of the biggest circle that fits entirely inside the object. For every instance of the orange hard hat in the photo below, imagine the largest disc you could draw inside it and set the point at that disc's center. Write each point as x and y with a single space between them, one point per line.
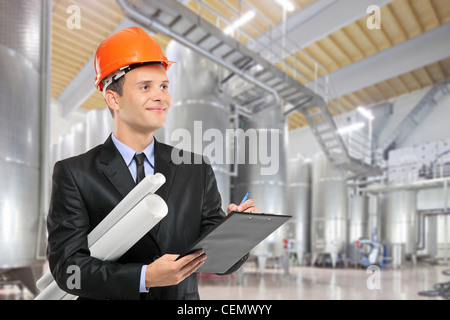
125 48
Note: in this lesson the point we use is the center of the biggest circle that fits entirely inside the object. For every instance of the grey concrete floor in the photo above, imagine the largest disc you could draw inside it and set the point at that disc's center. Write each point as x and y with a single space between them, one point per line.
319 283
308 283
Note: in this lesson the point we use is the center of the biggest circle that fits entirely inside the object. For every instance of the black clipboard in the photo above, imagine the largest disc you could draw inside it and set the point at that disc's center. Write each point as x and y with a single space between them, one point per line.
232 238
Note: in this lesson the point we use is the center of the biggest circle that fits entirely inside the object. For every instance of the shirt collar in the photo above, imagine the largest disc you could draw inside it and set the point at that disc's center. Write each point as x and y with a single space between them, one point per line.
128 153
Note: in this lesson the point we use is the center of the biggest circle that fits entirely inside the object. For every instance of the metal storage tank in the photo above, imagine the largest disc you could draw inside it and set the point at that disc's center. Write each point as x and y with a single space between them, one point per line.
21 64
79 138
398 224
67 145
298 205
427 235
200 113
358 217
99 125
267 183
329 210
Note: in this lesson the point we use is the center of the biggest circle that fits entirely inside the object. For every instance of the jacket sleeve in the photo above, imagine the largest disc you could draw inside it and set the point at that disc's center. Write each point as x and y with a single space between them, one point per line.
68 227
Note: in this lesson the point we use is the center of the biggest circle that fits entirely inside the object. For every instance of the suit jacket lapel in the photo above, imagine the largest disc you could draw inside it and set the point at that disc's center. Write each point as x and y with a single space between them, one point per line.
164 165
118 174
116 169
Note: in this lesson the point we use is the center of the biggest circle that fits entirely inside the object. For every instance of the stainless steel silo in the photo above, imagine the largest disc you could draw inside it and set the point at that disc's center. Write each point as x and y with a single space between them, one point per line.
427 235
328 210
99 125
264 134
299 204
200 113
21 66
79 137
358 217
398 218
67 145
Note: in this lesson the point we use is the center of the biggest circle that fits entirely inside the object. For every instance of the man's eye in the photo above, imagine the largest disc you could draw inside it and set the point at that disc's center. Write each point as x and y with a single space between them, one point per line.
145 87
164 87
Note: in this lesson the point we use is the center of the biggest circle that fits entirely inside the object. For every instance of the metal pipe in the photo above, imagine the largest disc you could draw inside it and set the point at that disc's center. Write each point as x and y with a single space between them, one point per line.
235 118
445 223
421 225
421 230
46 28
136 16
420 184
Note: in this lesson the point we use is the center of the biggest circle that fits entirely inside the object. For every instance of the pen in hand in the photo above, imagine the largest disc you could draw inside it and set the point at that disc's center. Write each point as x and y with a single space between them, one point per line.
245 198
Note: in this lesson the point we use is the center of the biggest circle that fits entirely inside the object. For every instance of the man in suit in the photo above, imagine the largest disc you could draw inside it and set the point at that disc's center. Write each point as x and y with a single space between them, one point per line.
131 73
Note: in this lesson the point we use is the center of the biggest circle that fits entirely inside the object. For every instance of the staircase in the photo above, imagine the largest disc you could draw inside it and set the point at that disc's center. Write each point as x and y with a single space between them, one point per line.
257 82
423 107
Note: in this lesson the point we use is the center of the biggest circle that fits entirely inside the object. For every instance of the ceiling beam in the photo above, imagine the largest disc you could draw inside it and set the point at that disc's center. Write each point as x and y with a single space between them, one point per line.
419 51
314 22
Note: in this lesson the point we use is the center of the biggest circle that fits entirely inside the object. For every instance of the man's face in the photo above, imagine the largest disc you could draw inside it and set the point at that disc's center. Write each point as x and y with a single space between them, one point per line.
145 100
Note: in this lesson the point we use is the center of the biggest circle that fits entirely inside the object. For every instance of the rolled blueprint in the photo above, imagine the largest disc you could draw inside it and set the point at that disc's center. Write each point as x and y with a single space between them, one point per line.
128 222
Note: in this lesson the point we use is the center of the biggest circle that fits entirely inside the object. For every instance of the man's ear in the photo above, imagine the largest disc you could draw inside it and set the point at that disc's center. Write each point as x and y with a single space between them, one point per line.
111 98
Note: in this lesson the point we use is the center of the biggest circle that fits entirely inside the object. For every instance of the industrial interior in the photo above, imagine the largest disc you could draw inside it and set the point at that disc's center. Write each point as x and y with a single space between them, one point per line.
344 106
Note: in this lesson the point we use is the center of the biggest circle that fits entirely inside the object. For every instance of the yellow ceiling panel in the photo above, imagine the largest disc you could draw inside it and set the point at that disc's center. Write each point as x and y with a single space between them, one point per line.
386 89
316 51
398 85
365 97
377 37
341 39
95 101
445 65
359 39
338 57
376 94
442 10
436 72
72 48
304 73
354 99
306 65
425 13
296 120
391 26
345 103
409 80
423 77
406 16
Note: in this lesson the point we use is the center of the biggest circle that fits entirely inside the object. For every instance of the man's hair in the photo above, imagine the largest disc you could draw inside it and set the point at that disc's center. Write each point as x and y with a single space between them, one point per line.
116 86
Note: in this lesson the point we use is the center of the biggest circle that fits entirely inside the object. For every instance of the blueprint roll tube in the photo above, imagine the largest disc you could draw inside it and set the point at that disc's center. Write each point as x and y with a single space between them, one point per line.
150 184
119 237
53 292
44 281
128 230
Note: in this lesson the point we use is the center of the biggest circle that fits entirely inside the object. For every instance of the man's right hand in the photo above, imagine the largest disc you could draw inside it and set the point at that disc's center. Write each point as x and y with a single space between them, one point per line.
168 271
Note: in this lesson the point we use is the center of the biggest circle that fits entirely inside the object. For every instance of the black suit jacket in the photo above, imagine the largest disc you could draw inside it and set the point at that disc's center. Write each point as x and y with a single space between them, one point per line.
87 187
